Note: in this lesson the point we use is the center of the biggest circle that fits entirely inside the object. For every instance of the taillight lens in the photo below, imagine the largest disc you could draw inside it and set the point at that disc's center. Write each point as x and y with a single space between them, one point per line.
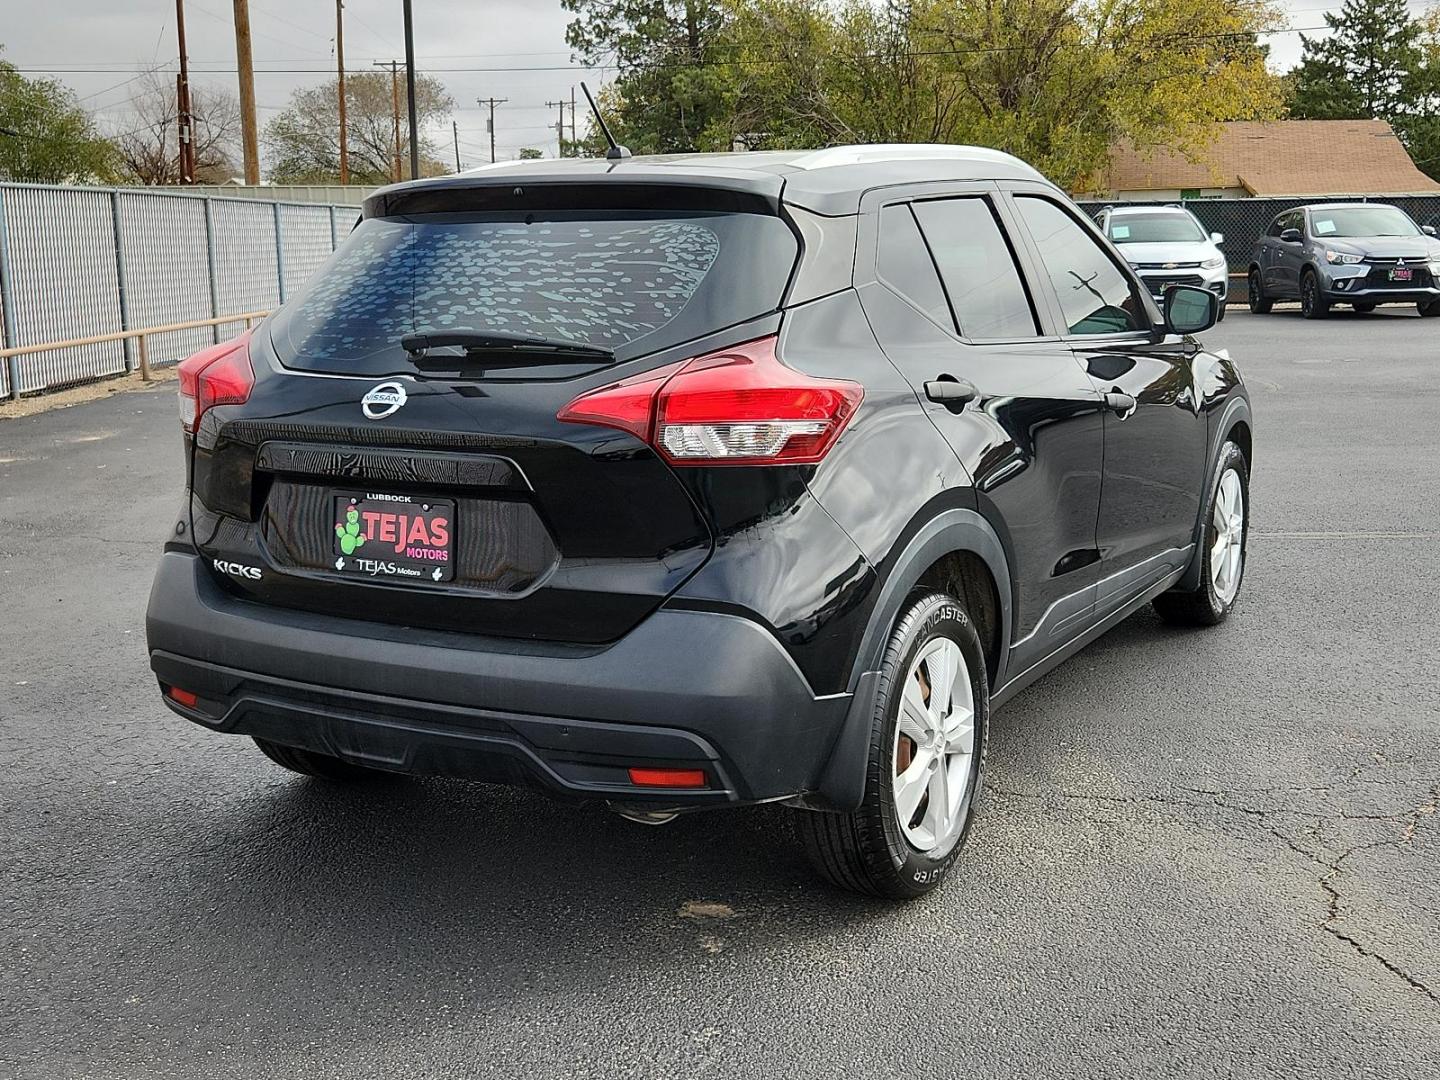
739 406
219 375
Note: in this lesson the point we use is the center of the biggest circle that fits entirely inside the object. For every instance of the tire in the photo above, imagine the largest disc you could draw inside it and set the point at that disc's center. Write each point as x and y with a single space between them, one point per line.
1430 310
1312 304
1260 304
1364 309
1220 314
309 763
1212 601
870 850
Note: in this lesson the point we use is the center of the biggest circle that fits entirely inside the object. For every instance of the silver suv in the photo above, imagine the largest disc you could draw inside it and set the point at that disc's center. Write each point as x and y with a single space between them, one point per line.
1167 245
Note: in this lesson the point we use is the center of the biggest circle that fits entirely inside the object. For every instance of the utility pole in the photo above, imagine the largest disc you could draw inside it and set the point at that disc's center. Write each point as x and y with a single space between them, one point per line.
559 126
394 66
492 102
340 66
410 94
250 138
186 125
574 139
455 133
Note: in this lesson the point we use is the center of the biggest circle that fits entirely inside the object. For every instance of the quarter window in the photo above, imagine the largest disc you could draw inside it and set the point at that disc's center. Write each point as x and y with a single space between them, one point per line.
905 265
977 268
1095 296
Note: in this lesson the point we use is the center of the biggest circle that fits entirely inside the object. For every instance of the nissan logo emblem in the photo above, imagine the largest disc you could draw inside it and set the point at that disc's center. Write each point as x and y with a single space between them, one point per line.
382 400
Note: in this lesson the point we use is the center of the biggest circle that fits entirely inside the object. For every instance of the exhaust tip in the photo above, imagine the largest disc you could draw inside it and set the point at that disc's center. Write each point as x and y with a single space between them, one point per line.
643 817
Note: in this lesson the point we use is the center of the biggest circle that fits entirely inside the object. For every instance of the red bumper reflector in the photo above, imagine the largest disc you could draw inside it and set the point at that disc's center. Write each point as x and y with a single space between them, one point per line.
183 697
672 778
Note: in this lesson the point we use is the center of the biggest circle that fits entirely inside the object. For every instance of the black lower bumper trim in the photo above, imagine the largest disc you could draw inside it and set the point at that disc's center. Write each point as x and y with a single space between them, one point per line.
570 757
684 689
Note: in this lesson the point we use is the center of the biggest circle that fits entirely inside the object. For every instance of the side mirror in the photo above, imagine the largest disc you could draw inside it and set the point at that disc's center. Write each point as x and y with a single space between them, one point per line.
1217 238
1190 309
1428 230
1292 236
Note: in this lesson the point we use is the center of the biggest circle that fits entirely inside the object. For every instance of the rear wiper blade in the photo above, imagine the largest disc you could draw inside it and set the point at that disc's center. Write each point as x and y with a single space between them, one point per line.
524 348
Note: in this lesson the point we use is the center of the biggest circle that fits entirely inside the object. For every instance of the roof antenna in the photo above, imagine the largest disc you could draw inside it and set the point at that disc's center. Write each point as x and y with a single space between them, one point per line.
616 151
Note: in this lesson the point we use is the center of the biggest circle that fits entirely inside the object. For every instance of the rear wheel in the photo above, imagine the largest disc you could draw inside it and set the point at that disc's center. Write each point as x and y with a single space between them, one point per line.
1430 310
927 751
1223 548
1312 304
1260 304
309 763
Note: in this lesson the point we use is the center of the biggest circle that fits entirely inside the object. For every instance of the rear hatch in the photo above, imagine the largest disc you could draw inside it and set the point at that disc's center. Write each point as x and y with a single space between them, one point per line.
435 488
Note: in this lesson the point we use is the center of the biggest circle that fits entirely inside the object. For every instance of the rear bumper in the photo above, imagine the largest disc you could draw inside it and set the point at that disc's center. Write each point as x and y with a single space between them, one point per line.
685 689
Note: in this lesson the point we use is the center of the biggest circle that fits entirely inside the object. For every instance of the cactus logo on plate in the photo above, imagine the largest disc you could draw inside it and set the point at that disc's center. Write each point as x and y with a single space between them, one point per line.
380 401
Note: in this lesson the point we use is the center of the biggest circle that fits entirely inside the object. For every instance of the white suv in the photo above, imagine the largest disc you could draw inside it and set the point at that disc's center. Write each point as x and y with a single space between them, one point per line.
1167 246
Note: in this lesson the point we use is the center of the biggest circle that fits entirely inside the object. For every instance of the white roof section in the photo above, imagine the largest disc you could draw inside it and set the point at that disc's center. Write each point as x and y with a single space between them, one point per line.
869 153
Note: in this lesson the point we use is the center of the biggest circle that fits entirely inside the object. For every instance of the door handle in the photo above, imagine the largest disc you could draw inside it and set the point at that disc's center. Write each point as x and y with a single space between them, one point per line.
951 392
1120 403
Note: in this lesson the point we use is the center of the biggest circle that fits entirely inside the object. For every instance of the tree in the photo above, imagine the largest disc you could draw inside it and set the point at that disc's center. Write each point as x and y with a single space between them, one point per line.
46 137
304 139
1359 71
1056 82
1419 128
149 142
529 153
672 93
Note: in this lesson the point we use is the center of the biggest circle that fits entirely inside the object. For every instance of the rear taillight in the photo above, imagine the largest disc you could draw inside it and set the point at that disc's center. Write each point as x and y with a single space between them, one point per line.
219 375
739 406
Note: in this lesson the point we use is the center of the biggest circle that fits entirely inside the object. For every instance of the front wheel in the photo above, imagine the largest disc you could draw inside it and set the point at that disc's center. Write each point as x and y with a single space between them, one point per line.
1227 526
1430 310
926 756
1260 304
1312 304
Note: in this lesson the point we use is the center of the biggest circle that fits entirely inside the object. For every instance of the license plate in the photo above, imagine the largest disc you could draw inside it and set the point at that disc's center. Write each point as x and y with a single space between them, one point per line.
1402 275
394 536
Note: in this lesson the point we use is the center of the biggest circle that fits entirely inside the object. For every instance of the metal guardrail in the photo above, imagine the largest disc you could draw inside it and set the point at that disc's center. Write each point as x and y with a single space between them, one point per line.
139 336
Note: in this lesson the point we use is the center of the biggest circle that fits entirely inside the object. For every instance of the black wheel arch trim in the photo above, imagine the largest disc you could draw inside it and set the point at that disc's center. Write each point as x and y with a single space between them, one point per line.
1235 411
841 783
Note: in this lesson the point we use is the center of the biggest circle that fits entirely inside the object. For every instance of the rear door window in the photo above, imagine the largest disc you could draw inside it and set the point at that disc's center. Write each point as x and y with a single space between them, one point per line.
1095 296
905 265
628 281
977 268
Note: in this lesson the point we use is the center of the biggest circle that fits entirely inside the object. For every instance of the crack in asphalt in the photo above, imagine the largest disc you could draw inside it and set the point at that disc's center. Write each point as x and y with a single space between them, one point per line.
1333 914
1333 868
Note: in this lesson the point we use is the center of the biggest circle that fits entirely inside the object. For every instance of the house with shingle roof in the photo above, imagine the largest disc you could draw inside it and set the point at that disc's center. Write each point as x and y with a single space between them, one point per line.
1283 158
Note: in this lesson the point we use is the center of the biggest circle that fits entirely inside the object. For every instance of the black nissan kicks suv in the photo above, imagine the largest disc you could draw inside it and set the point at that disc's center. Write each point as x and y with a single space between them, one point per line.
698 481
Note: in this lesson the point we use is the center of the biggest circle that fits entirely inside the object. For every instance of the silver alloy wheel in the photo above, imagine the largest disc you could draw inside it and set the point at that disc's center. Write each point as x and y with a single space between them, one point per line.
934 744
1227 553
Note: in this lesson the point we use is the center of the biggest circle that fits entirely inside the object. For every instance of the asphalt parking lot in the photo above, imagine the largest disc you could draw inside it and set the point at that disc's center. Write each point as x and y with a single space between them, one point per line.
1200 853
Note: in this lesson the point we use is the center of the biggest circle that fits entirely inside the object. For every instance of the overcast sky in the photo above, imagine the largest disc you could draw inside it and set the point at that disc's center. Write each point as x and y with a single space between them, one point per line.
477 48
117 38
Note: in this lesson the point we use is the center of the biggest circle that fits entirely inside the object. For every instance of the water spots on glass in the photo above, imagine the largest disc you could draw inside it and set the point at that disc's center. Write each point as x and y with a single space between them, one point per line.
599 282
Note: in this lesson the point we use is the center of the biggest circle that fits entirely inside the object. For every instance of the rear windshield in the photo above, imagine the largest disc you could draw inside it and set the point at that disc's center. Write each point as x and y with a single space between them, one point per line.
632 282
1155 229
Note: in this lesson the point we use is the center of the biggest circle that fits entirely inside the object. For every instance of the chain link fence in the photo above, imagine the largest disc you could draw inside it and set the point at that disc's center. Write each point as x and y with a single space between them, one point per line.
1243 221
78 262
